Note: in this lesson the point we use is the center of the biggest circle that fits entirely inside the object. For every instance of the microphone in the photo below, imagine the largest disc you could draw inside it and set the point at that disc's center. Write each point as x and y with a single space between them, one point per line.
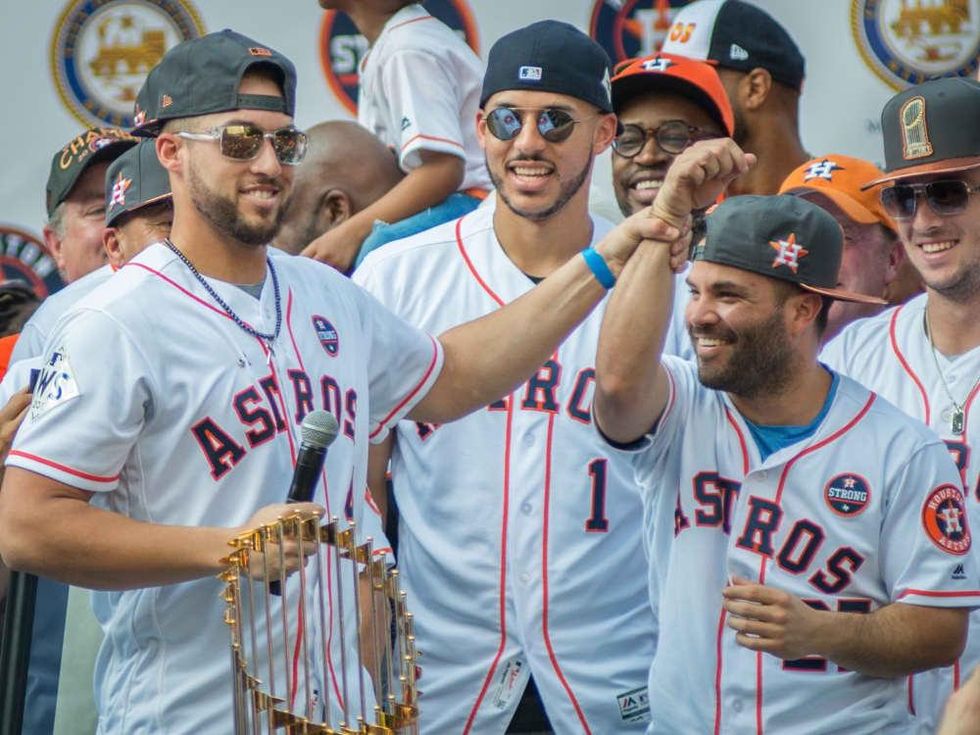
317 432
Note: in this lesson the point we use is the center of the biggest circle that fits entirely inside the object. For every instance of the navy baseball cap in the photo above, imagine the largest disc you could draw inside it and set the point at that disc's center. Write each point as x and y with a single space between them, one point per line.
931 128
783 237
71 161
135 180
202 76
549 56
737 35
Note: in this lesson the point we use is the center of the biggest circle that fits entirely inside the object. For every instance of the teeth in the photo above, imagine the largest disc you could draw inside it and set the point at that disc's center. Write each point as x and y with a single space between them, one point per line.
937 247
521 171
261 193
710 342
646 185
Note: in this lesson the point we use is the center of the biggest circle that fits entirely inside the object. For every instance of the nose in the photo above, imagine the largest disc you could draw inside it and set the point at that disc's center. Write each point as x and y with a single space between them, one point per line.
924 219
529 139
266 162
651 153
700 312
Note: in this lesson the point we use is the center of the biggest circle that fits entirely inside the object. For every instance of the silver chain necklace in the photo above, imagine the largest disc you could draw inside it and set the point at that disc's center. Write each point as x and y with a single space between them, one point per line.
267 338
957 417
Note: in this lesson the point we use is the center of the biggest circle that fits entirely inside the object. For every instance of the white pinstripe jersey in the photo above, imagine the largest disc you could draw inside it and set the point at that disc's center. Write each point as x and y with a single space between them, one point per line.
420 90
521 533
891 355
186 419
865 512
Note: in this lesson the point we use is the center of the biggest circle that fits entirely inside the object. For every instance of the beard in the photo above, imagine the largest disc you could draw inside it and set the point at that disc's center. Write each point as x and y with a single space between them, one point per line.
740 131
567 190
222 212
761 360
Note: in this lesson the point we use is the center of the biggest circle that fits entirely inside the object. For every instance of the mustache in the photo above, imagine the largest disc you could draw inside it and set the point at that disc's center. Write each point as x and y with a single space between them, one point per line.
717 332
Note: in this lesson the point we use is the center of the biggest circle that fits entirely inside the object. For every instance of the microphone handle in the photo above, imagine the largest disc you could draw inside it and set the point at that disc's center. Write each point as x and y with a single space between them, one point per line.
306 474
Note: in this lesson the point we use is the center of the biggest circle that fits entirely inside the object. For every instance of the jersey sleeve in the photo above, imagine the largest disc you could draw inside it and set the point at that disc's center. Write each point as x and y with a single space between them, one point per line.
403 364
29 344
89 405
927 557
423 106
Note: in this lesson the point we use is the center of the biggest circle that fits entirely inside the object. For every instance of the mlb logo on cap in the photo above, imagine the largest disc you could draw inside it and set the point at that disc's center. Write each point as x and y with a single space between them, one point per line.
529 74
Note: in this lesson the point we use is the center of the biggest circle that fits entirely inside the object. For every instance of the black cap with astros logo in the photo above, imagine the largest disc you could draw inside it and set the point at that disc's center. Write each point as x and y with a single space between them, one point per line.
71 161
931 128
782 237
202 76
134 180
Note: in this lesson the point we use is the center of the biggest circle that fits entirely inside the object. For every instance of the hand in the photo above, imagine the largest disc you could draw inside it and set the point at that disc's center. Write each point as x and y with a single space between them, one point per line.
620 243
698 176
337 247
962 713
11 417
288 558
771 620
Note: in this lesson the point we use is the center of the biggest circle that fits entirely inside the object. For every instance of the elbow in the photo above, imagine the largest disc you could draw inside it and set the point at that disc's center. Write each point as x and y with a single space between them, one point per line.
615 392
16 549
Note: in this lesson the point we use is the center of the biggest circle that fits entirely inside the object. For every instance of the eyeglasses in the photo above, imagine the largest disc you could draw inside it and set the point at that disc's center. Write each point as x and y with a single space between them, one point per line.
243 142
554 125
672 136
943 197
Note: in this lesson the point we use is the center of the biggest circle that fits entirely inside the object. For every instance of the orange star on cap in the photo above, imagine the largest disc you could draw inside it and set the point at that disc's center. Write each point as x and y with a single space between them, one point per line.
790 252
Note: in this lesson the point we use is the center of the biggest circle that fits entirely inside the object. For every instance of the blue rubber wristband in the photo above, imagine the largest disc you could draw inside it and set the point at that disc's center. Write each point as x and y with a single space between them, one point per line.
597 264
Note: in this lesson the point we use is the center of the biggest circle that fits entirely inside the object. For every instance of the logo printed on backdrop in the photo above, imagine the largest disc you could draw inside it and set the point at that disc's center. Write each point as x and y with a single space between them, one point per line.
907 43
630 28
102 50
342 48
23 257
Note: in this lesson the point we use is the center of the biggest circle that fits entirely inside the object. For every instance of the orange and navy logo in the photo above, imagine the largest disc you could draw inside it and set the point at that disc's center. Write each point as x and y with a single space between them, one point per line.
342 47
789 252
325 332
102 50
23 257
847 494
632 28
944 519
119 189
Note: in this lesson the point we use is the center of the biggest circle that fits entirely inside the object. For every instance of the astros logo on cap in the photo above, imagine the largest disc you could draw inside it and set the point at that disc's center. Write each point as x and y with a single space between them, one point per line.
119 190
822 170
915 135
789 253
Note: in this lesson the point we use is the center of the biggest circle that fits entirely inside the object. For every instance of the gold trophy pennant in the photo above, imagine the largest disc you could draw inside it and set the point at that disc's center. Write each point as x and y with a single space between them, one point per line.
328 649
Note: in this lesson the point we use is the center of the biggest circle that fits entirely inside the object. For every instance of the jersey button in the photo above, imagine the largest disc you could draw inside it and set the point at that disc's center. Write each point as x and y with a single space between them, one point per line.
527 508
737 705
525 578
528 440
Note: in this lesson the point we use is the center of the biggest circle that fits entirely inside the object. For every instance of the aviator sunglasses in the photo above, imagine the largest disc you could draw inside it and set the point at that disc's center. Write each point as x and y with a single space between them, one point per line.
673 136
243 141
945 197
555 125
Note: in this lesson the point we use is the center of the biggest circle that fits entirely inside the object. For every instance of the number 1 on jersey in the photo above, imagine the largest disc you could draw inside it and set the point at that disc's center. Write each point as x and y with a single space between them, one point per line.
597 521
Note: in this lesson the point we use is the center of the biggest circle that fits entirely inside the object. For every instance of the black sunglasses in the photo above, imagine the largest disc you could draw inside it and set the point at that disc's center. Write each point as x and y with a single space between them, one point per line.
554 125
945 197
672 136
243 141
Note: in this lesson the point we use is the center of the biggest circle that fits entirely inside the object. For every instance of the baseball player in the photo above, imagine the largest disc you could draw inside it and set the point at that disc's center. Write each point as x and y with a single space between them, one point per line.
418 91
188 434
820 547
925 356
513 518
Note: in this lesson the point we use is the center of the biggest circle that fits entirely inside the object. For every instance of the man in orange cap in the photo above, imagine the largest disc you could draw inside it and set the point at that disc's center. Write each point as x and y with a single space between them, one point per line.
873 261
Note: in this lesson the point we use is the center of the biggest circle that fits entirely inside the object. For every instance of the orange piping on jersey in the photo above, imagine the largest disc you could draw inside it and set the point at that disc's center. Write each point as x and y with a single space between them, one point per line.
938 593
905 365
62 467
430 137
544 574
410 21
411 393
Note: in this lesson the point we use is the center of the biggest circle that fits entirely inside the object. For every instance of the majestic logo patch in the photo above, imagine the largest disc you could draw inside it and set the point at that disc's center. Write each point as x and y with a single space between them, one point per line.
327 335
23 257
342 47
789 252
119 190
911 42
847 494
627 29
944 520
102 50
915 134
822 170
529 73
634 705
55 385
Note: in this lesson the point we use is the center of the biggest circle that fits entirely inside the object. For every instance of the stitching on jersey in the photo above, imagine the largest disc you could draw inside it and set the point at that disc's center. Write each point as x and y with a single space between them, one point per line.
430 137
892 338
469 264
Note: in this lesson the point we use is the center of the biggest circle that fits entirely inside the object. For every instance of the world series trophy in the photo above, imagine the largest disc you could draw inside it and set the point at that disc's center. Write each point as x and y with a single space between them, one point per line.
330 650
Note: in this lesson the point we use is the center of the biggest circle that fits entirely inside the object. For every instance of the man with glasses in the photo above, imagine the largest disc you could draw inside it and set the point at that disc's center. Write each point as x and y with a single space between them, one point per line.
520 533
925 356
131 474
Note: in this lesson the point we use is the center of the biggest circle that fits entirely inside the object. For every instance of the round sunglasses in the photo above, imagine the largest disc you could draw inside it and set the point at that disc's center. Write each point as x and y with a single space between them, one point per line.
554 124
243 142
946 197
672 137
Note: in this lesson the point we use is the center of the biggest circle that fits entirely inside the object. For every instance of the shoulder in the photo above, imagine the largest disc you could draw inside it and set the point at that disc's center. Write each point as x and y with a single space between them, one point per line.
885 421
863 343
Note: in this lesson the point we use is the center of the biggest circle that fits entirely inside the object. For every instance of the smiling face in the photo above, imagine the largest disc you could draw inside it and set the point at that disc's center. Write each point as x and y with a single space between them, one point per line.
536 178
637 180
945 249
77 244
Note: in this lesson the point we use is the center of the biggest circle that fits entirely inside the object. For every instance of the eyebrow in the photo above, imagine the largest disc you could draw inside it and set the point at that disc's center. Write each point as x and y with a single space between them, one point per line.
717 286
512 105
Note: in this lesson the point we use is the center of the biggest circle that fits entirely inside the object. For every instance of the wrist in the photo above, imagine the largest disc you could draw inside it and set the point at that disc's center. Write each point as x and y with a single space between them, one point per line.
599 267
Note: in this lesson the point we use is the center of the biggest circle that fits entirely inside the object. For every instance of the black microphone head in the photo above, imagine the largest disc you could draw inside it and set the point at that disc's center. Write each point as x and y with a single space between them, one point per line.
319 429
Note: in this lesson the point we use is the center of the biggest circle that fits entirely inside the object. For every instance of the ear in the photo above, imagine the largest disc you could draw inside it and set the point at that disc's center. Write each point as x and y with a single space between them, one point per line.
481 129
754 89
53 244
335 207
604 133
168 147
803 309
113 249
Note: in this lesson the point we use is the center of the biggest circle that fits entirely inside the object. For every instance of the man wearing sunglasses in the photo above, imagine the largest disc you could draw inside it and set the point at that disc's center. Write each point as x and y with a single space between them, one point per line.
520 533
185 434
925 356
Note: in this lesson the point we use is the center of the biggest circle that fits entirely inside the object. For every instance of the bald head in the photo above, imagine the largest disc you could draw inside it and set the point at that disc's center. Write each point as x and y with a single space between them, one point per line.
345 170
